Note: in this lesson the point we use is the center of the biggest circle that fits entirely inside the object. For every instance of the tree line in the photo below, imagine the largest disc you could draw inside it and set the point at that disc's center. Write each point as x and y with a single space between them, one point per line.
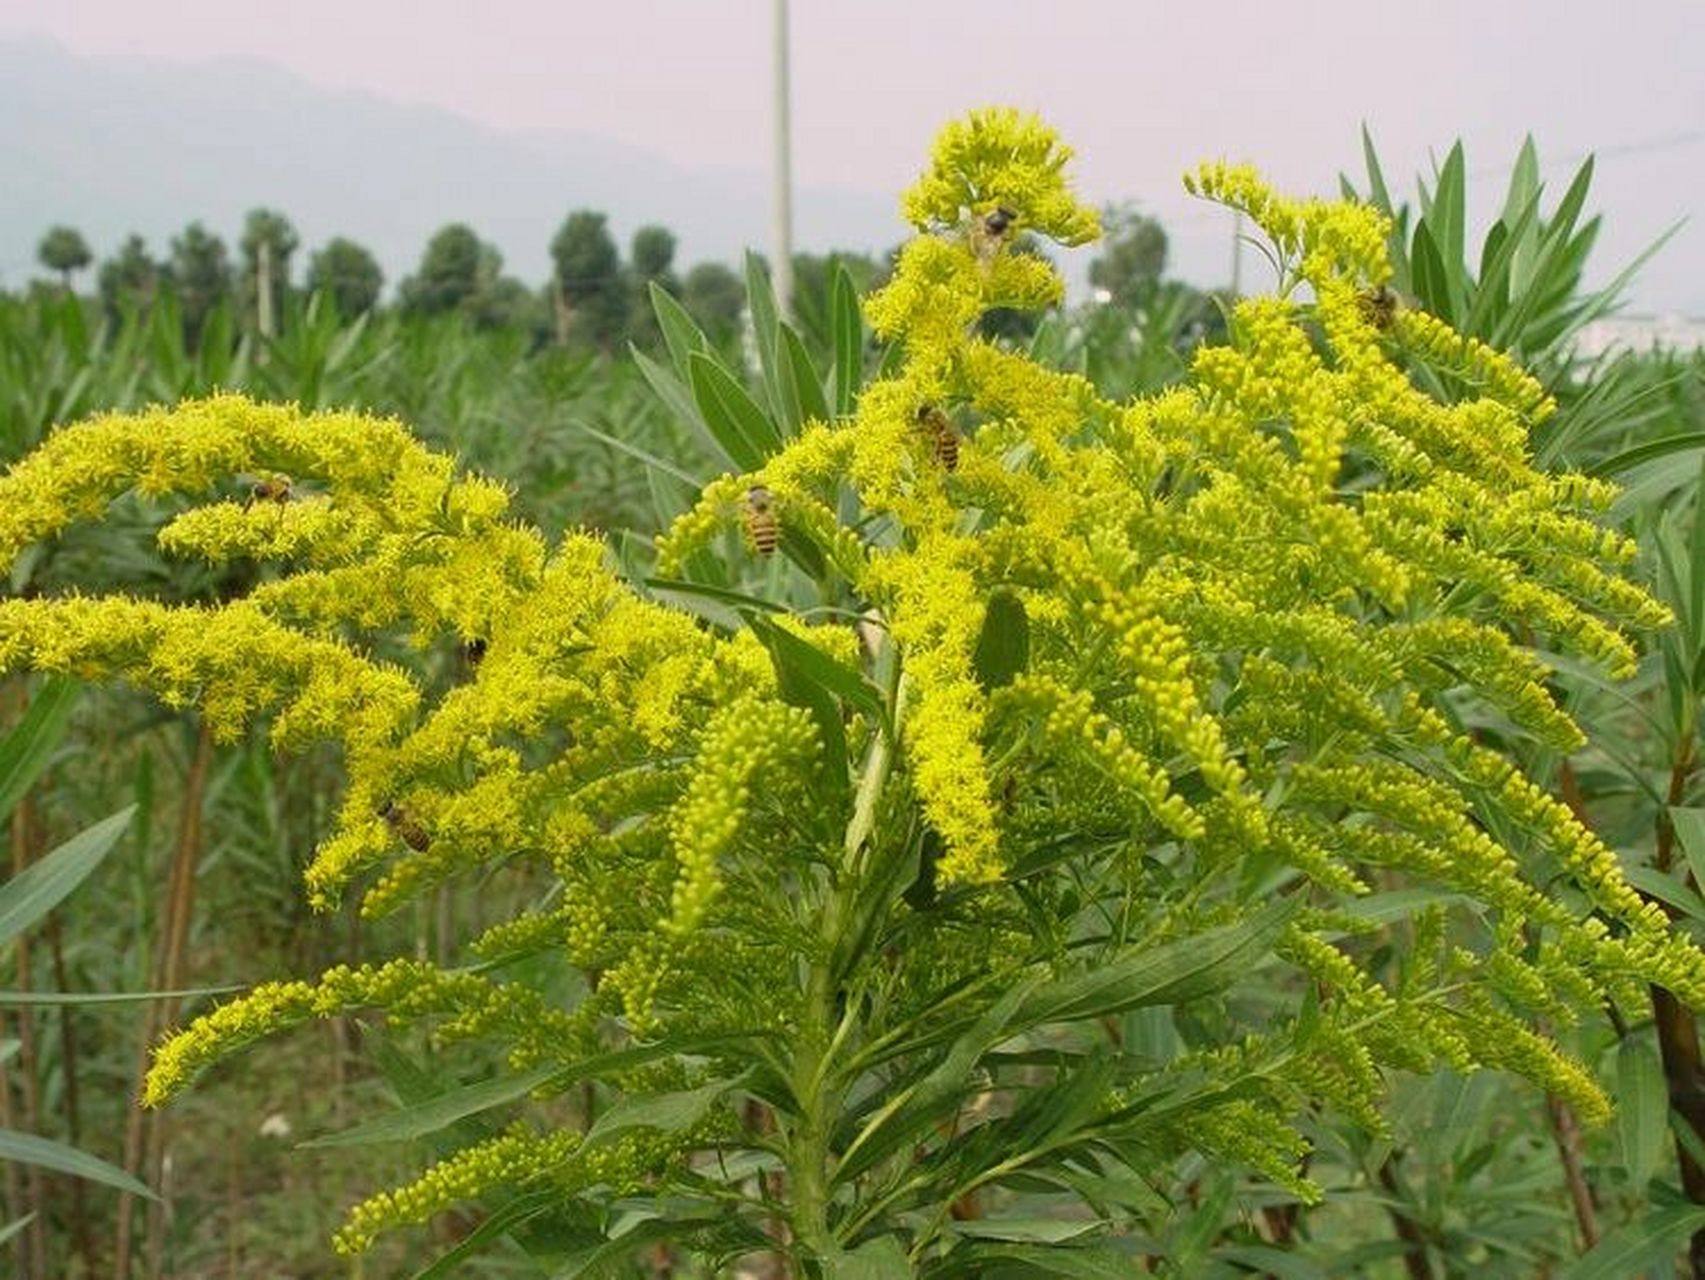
595 297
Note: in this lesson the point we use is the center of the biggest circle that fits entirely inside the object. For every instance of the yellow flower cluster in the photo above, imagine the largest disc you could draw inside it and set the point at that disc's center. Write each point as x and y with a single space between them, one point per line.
519 1158
1239 623
998 158
471 1006
743 742
1248 599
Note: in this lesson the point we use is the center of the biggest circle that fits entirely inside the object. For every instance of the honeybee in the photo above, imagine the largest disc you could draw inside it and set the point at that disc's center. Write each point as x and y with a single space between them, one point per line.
944 441
273 488
1379 306
989 233
407 829
761 523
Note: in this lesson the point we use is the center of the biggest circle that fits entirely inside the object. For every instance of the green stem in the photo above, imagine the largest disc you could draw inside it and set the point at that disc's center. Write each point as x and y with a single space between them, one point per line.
817 1087
808 1145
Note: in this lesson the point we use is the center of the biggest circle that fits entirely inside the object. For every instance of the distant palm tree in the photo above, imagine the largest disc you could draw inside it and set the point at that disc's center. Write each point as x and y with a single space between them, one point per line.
64 250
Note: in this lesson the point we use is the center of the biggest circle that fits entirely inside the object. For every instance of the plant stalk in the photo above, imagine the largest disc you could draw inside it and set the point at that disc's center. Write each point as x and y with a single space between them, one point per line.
29 1066
142 1135
1677 1028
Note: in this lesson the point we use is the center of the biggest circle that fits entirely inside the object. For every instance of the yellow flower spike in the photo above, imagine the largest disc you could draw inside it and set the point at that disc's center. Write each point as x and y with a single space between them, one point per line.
740 747
1000 158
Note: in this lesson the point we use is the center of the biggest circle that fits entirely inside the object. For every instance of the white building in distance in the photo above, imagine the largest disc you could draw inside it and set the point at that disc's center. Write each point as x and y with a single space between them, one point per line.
1641 333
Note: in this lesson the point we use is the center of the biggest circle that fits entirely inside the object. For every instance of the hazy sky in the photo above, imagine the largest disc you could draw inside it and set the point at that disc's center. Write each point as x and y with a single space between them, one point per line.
1141 89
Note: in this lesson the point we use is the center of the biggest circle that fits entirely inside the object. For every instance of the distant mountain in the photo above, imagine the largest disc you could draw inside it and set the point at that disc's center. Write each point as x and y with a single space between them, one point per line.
114 145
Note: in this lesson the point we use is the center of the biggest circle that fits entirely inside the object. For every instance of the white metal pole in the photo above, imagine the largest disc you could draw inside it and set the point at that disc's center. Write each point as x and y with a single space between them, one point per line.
782 238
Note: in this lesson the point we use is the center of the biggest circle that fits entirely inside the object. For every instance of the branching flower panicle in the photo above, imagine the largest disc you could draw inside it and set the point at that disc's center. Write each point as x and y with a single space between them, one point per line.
1126 676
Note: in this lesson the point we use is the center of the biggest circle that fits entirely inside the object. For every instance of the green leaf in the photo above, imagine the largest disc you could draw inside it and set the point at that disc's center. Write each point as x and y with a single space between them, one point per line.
649 459
1667 888
1003 647
1378 192
805 676
722 595
1649 451
1190 1247
1025 1230
1493 294
27 1148
671 496
666 1228
1523 194
734 418
680 333
669 1112
673 393
12 1228
25 751
846 683
1050 1262
1693 600
1429 272
1167 974
416 1083
499 1224
802 391
1689 827
12 999
1642 1108
847 329
1449 230
918 1104
1606 299
1646 1243
1266 1261
40 887
761 304
880 1259
437 1113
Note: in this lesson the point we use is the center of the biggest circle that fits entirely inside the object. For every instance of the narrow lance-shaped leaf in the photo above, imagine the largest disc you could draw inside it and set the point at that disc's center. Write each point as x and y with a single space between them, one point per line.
1003 647
25 751
1167 974
761 303
439 1112
880 1259
1449 231
669 1112
802 391
675 395
12 1228
651 460
33 892
10 999
1642 1108
847 327
742 429
1523 194
598 1261
800 678
680 333
1649 1241
498 1225
27 1148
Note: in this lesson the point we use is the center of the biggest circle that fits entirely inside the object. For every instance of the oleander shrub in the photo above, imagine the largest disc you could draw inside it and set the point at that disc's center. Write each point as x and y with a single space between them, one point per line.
1066 796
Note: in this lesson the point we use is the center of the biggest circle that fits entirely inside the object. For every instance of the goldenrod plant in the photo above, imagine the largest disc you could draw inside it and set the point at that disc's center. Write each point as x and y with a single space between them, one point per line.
1066 792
